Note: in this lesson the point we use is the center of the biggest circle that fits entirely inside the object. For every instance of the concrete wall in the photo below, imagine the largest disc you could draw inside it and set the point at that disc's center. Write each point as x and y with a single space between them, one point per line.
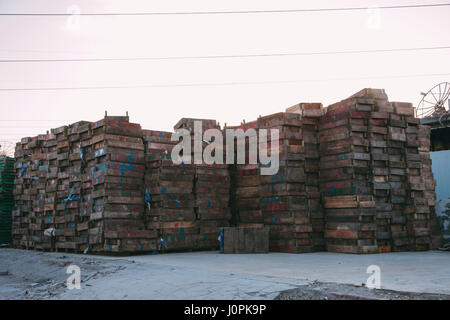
441 172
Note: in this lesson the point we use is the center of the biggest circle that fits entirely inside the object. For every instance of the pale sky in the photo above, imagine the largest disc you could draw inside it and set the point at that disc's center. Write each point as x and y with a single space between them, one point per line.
321 78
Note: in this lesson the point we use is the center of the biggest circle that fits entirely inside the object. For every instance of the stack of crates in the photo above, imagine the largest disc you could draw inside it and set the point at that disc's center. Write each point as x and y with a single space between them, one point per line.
117 223
6 198
22 198
283 196
311 113
211 185
245 180
169 194
346 177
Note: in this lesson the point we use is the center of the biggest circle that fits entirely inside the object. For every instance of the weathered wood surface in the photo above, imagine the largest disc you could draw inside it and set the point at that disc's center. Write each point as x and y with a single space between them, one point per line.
246 240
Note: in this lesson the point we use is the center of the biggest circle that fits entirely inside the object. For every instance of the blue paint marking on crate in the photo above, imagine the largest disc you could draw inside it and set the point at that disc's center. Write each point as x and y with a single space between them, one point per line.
129 167
100 152
130 158
102 167
271 200
342 157
181 230
276 178
163 189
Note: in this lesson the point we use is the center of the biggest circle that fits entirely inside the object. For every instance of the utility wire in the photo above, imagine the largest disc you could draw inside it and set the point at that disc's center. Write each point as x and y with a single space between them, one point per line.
217 84
257 55
22 127
7 120
228 12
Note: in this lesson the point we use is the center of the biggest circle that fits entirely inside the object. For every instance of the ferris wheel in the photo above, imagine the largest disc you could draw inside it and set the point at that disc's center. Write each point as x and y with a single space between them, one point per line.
435 104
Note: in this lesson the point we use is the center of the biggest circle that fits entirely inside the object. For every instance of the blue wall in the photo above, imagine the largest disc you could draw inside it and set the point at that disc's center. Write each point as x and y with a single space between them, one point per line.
441 172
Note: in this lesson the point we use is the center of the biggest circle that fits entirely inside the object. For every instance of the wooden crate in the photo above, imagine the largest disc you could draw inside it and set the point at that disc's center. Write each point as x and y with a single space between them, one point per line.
246 240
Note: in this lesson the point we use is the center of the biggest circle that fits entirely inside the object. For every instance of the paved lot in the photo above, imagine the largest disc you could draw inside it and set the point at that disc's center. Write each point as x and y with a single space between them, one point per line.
211 275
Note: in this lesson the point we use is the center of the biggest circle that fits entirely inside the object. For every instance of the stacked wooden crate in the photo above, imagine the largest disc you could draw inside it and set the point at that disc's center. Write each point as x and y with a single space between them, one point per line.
386 145
50 148
245 197
397 180
22 198
6 198
421 197
284 202
40 219
380 155
169 194
29 192
311 113
388 148
212 198
290 199
109 186
245 240
37 174
117 223
67 198
396 147
35 233
80 180
86 154
345 177
211 187
423 147
77 219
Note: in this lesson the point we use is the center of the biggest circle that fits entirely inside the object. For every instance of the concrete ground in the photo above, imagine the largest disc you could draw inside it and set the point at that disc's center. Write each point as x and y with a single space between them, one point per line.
212 275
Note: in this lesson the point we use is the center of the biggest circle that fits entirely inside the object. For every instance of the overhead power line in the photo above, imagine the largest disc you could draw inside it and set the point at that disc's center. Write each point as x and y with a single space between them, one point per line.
218 84
256 55
21 127
32 120
227 12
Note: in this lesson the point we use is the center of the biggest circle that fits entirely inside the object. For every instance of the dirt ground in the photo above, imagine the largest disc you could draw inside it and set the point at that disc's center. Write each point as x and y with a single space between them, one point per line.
34 275
333 291
38 275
